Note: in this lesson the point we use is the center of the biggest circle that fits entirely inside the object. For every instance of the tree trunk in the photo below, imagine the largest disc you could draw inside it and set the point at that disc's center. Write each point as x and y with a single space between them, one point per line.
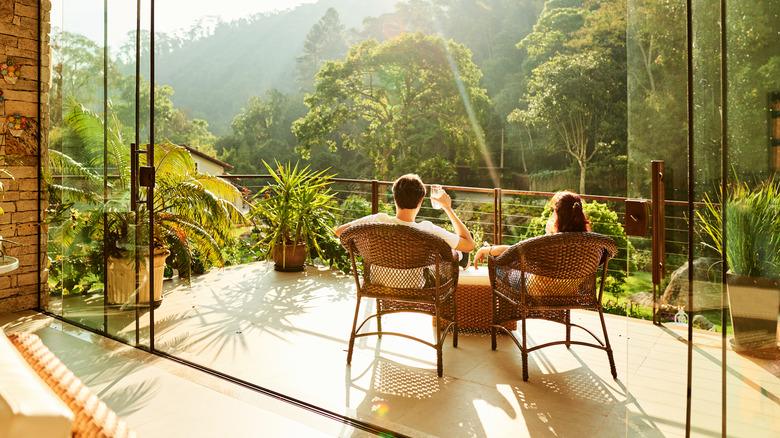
582 177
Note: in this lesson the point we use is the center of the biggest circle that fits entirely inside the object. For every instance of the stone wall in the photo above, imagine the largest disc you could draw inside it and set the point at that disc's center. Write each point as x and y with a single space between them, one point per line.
22 200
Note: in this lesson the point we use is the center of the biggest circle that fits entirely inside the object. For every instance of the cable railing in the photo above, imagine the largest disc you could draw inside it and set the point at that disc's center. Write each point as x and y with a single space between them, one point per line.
496 216
505 216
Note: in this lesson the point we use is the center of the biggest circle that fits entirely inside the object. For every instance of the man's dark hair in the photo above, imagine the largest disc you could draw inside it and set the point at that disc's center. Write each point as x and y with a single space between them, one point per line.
408 191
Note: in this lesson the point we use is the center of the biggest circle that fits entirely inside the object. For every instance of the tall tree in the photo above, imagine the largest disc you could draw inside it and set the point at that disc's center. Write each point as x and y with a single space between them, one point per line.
415 92
170 123
326 41
76 63
657 87
262 129
573 96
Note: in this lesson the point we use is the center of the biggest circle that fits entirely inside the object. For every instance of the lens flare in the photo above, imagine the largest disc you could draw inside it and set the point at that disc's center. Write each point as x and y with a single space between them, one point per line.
472 117
380 408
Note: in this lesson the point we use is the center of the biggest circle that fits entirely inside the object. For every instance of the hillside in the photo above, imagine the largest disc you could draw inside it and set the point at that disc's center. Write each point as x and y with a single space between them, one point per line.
214 76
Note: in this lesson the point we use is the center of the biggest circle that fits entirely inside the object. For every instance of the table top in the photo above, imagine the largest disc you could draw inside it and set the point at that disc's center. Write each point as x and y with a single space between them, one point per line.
474 277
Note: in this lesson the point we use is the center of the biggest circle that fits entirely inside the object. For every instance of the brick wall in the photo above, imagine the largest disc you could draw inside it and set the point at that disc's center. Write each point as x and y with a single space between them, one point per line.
20 151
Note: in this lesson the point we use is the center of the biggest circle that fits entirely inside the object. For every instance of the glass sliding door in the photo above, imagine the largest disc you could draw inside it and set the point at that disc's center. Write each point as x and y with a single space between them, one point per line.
657 131
750 219
95 238
702 85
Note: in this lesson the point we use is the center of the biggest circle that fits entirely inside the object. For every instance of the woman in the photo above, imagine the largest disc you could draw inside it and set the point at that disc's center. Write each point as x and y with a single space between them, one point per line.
567 216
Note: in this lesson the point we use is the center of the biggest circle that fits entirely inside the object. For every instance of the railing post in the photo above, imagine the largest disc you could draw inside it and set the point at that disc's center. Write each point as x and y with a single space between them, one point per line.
374 197
659 233
497 212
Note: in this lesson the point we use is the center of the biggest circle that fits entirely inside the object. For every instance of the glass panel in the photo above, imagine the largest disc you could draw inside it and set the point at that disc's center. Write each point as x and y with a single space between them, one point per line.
751 218
92 227
657 115
78 157
706 313
733 373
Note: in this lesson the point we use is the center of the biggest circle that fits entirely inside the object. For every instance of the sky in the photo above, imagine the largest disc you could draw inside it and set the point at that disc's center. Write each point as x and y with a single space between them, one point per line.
87 16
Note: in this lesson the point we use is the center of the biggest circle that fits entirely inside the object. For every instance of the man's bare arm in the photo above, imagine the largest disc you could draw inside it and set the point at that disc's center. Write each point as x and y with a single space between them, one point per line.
466 242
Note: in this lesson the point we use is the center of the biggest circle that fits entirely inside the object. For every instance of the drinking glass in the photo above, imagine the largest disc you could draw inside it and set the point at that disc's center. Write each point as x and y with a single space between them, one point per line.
436 191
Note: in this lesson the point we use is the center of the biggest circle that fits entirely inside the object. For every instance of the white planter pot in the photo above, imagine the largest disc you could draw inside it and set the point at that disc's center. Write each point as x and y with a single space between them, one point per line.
120 280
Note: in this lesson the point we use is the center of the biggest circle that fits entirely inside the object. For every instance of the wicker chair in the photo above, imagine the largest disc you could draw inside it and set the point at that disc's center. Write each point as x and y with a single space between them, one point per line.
544 277
405 270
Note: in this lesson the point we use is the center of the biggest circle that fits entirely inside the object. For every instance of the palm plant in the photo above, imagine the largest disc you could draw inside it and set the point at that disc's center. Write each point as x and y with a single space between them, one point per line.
193 212
297 208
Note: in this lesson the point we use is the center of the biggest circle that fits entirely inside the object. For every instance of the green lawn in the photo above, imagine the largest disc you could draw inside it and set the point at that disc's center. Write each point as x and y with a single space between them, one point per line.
642 282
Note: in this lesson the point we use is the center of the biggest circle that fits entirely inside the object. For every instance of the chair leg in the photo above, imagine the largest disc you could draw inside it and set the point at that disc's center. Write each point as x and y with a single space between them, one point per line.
607 346
439 338
455 334
455 320
493 344
439 367
379 317
352 334
568 329
524 351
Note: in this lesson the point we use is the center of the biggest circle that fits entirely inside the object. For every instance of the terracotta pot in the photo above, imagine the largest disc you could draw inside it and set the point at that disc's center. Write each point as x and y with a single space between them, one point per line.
754 304
290 258
120 280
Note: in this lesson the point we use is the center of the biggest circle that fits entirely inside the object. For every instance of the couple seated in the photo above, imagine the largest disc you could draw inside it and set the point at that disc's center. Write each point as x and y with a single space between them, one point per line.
565 264
409 192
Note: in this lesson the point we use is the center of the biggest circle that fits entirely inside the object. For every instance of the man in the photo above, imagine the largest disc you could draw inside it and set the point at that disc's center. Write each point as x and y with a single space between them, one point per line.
408 194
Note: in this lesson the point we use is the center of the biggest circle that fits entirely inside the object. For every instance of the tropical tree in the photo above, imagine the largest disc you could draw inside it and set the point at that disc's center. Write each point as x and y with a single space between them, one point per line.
76 62
262 129
574 96
414 92
657 87
571 40
170 123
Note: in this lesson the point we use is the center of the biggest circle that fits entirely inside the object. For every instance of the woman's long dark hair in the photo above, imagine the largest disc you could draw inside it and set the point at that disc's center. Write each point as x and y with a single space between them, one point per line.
567 214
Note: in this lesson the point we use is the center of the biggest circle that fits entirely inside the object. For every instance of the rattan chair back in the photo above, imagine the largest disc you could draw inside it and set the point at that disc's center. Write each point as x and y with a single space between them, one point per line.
555 270
397 259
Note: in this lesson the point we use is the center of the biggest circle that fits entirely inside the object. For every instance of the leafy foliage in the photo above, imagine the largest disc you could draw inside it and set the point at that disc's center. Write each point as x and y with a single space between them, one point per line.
383 95
752 245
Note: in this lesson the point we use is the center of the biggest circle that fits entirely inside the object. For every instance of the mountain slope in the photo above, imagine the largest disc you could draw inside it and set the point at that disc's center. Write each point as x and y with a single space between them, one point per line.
214 76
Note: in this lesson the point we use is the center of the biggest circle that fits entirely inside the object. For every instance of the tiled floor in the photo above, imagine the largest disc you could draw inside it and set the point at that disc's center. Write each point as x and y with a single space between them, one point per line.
288 332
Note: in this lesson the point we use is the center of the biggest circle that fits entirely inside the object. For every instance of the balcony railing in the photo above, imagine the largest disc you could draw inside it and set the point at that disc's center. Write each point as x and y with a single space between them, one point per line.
502 216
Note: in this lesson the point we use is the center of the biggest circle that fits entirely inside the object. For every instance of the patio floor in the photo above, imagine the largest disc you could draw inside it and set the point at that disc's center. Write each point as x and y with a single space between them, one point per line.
288 332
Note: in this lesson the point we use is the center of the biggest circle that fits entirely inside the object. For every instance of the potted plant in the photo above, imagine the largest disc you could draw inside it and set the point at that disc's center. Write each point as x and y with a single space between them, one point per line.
193 213
752 256
295 213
